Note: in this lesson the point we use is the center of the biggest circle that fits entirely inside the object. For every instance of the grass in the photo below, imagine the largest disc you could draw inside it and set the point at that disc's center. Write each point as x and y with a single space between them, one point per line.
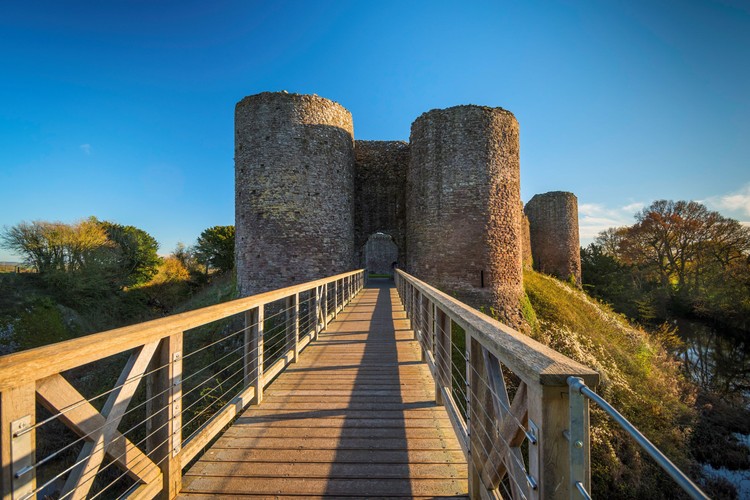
638 377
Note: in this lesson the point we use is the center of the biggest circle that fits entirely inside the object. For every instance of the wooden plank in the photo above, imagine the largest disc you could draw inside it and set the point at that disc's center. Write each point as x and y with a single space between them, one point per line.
216 496
33 364
314 486
347 419
243 431
206 432
339 444
292 455
328 470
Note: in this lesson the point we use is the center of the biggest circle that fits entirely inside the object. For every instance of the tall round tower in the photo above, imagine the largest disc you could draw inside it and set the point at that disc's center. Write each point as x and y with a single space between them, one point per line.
463 198
294 190
553 224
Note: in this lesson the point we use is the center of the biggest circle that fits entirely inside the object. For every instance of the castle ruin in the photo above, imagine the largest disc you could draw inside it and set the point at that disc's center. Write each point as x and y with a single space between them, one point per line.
311 201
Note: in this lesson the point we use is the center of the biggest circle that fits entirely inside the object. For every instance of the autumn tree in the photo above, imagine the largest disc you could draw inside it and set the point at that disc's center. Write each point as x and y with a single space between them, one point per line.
694 256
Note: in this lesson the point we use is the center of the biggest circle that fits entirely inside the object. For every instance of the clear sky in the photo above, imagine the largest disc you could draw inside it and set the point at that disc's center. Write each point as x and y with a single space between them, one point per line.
124 110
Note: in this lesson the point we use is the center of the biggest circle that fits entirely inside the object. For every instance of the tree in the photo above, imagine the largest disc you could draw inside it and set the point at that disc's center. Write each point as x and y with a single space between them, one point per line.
137 258
686 255
215 248
55 246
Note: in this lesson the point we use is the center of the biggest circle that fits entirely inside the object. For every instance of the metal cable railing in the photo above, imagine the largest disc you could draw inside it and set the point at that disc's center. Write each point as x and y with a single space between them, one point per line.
221 375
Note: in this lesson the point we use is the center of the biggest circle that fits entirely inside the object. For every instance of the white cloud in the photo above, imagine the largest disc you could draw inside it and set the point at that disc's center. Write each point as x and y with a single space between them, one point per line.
738 201
86 148
594 218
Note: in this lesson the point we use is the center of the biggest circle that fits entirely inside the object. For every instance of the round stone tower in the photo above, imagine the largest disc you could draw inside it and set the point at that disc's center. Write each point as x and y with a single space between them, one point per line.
553 224
294 190
463 197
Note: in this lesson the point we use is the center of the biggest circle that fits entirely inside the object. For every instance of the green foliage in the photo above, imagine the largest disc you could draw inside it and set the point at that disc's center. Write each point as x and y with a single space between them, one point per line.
609 280
215 248
86 262
39 324
638 377
137 260
528 312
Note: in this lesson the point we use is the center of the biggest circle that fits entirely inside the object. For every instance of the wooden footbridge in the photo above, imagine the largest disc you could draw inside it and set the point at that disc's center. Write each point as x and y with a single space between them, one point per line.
325 389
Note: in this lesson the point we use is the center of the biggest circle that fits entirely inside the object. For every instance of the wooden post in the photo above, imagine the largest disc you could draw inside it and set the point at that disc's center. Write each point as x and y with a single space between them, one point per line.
472 384
292 325
549 462
316 311
254 348
442 354
166 439
430 326
335 298
17 442
325 306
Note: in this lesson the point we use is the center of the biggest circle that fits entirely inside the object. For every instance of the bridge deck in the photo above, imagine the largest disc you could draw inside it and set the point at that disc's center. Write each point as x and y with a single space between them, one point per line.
356 416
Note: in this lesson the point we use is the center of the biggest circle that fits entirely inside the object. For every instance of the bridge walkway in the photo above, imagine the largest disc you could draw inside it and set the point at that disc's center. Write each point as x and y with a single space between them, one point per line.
356 416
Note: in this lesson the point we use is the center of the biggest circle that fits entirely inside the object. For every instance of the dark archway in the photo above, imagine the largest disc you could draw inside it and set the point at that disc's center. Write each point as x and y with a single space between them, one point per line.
379 254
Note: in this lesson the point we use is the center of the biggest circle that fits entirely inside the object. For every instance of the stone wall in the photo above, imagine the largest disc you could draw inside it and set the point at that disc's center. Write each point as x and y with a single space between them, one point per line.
526 256
294 190
379 194
463 196
555 245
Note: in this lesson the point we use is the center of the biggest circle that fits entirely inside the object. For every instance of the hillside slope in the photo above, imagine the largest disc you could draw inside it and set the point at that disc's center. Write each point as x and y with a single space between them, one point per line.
638 377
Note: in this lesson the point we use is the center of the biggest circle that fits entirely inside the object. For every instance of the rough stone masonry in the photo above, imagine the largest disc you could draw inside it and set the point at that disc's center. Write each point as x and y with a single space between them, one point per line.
309 199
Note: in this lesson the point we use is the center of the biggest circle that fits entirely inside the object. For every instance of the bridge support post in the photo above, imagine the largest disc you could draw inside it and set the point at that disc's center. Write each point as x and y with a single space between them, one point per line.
335 299
442 354
165 442
549 462
472 416
316 311
17 452
292 325
253 354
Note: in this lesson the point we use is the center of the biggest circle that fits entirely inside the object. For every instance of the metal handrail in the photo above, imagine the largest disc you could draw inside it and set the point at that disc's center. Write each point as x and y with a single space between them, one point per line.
578 386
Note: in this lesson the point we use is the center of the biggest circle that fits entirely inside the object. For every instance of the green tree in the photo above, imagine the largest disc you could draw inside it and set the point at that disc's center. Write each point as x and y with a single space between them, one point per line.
215 248
137 260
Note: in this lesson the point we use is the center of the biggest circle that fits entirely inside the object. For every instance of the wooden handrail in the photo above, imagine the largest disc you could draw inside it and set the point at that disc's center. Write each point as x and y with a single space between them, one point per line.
38 363
532 361
490 426
156 355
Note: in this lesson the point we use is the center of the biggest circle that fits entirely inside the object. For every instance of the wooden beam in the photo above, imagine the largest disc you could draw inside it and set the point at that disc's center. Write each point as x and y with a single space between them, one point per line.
58 396
17 453
81 477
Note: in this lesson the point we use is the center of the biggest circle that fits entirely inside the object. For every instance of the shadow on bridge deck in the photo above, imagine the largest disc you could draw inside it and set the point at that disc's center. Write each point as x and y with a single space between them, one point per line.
356 416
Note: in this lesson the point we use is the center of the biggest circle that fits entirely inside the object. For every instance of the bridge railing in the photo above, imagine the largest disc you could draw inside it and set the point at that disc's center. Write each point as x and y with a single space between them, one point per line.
183 378
506 396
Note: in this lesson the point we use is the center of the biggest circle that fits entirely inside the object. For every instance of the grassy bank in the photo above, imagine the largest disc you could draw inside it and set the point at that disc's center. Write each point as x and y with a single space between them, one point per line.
638 377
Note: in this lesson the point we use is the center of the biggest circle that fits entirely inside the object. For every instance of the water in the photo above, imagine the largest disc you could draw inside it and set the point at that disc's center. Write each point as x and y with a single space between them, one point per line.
717 360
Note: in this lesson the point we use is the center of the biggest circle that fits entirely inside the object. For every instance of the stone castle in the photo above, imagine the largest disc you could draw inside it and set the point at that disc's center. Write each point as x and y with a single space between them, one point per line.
446 206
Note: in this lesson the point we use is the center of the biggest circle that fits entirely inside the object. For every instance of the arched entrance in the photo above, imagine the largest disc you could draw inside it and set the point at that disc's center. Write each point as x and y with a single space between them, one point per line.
379 254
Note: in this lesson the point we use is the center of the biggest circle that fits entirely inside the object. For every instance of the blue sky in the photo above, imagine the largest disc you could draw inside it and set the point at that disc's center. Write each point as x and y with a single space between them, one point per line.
124 110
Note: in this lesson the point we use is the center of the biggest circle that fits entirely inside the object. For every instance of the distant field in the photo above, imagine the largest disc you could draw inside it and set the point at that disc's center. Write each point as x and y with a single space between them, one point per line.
10 267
